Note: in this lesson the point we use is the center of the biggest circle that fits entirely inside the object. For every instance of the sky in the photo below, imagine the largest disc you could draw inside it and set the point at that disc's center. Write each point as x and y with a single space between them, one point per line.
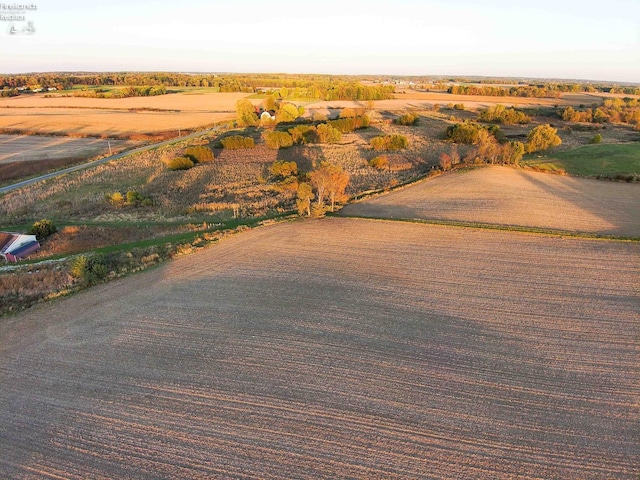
563 39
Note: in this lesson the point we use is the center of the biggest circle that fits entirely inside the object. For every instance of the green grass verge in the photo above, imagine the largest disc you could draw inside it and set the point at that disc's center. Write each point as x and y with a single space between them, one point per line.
609 161
499 227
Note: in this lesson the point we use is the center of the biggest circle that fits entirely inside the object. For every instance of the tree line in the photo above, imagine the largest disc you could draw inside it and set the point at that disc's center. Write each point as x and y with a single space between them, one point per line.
546 90
614 110
325 87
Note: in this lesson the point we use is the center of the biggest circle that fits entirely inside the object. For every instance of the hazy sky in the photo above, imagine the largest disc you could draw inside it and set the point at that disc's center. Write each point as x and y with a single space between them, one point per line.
582 39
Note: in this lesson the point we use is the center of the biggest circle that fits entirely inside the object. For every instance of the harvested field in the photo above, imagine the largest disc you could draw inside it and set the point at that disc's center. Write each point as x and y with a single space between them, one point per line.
24 155
509 196
385 350
25 148
115 118
426 100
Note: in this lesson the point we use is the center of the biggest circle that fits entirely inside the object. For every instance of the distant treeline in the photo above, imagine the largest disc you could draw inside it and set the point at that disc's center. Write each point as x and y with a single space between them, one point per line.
614 110
551 90
324 87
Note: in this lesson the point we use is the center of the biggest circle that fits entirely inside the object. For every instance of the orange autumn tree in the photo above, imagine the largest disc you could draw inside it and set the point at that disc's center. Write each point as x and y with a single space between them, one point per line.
330 182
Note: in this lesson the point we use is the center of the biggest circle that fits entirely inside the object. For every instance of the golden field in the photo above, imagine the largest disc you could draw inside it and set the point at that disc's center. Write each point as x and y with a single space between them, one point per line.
115 118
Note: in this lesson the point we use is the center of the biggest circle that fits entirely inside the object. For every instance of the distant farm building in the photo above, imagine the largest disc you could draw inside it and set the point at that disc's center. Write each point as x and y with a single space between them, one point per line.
14 246
263 114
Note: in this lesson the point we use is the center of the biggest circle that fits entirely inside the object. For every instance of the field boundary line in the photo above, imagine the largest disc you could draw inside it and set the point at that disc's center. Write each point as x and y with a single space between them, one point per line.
497 226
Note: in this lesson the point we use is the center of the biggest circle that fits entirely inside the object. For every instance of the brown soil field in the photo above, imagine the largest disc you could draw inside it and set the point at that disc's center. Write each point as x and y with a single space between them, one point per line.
510 196
27 148
115 118
336 348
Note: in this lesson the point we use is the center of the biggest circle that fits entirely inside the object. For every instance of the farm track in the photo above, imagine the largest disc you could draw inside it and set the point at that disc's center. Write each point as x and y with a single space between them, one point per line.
338 348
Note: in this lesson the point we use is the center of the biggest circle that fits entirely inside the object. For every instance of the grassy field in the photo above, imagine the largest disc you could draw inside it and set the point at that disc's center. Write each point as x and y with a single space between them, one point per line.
386 350
509 196
593 161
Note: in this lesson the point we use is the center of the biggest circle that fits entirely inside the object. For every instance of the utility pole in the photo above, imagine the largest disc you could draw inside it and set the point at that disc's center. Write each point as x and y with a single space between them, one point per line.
109 142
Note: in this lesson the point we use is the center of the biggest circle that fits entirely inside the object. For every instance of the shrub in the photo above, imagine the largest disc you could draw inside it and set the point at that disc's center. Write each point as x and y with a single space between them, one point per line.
381 162
500 114
597 138
407 119
116 199
328 134
303 134
458 106
352 112
42 229
445 161
278 140
199 154
543 137
90 270
284 169
180 163
345 125
236 142
389 142
136 198
466 132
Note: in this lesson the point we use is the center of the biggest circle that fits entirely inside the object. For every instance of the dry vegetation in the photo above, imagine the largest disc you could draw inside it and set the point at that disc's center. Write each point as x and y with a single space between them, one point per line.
385 350
508 196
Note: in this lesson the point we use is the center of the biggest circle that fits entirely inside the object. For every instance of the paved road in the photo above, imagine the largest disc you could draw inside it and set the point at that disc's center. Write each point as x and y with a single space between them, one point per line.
47 176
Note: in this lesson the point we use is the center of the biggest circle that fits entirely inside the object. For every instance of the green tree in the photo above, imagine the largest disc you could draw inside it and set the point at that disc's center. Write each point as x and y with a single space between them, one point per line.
287 113
283 169
269 103
246 113
466 132
512 153
542 137
328 134
389 142
89 270
42 229
304 197
488 147
278 140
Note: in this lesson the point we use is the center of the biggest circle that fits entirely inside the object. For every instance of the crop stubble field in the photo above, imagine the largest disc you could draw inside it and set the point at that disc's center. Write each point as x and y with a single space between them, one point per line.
123 117
510 196
337 348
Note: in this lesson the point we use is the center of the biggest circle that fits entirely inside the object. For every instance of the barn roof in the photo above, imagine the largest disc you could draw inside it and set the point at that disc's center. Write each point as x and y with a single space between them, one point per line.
6 238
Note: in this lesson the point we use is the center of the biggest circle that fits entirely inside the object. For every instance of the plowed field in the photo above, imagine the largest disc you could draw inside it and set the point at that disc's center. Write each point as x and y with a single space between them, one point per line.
337 348
508 196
